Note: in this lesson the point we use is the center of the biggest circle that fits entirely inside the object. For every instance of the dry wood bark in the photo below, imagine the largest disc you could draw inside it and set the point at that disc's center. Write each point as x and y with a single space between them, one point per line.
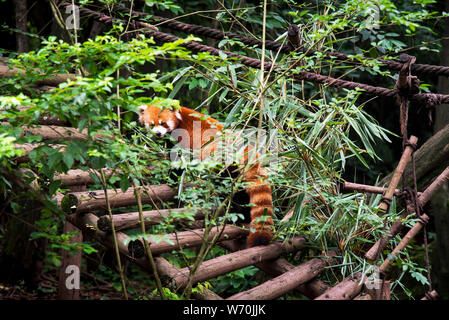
94 200
432 156
152 217
238 260
181 240
310 289
50 132
54 80
28 147
286 282
345 290
409 236
21 13
350 186
65 293
426 195
168 272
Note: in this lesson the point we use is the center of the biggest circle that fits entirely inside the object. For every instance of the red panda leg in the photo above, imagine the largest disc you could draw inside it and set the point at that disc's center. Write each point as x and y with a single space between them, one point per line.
259 191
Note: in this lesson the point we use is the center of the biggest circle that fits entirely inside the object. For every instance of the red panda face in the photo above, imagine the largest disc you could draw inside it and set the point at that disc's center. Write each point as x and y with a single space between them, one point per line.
159 121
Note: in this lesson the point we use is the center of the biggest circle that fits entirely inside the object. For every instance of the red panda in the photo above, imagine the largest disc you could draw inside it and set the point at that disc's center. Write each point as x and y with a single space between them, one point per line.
257 188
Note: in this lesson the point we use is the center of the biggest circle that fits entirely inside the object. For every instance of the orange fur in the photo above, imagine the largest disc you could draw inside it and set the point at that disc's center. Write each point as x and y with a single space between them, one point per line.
258 188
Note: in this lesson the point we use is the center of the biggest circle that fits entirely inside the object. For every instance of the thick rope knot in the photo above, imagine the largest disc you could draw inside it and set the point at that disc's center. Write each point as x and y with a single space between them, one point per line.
410 144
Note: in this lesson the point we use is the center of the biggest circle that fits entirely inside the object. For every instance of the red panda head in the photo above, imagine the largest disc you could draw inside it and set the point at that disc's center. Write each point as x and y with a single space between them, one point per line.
159 121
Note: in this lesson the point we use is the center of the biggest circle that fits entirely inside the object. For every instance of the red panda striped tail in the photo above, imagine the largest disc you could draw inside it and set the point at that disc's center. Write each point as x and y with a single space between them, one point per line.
259 192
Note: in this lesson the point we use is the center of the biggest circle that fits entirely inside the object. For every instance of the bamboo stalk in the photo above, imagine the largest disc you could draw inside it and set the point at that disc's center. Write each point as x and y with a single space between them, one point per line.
364 188
397 174
374 251
181 240
403 243
426 195
275 288
237 260
345 290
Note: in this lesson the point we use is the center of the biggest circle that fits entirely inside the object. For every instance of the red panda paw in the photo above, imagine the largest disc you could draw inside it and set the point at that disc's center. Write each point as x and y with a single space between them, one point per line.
258 239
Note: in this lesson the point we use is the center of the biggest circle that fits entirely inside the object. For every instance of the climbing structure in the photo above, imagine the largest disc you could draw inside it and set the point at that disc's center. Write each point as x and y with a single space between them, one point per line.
80 204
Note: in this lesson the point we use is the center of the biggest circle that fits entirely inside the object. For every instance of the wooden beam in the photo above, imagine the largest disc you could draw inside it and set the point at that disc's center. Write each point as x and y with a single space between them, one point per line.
131 220
345 290
78 202
181 240
277 287
237 260
426 195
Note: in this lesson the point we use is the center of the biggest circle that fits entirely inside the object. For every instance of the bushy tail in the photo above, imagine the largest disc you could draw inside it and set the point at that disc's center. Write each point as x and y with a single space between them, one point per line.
259 191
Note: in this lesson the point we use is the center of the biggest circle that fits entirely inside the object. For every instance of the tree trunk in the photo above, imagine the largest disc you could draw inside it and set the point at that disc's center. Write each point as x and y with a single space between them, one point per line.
21 24
440 201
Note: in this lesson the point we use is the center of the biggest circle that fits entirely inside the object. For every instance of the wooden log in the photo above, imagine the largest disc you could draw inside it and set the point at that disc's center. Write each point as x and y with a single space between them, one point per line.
403 243
345 290
44 119
364 188
28 147
88 224
78 202
56 133
181 240
234 261
363 296
54 80
432 156
168 272
275 288
381 291
152 217
68 290
397 174
433 295
76 177
310 289
426 195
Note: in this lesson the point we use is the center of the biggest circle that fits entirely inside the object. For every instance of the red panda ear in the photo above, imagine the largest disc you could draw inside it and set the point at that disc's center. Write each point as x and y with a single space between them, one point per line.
178 115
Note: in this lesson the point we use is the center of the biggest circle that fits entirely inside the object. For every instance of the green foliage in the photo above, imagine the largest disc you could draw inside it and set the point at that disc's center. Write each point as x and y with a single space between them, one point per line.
315 130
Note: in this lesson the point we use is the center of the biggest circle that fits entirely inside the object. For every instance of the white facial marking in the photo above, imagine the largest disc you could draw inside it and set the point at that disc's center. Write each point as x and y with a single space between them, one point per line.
152 121
160 129
171 125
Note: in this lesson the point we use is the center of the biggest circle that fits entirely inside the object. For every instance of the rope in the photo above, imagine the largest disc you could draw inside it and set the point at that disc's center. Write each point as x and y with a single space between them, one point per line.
276 46
426 99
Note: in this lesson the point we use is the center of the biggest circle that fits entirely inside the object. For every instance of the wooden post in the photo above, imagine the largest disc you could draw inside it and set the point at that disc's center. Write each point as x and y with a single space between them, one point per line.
350 186
181 240
70 270
94 200
403 243
374 251
426 195
131 220
238 260
282 284
345 290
